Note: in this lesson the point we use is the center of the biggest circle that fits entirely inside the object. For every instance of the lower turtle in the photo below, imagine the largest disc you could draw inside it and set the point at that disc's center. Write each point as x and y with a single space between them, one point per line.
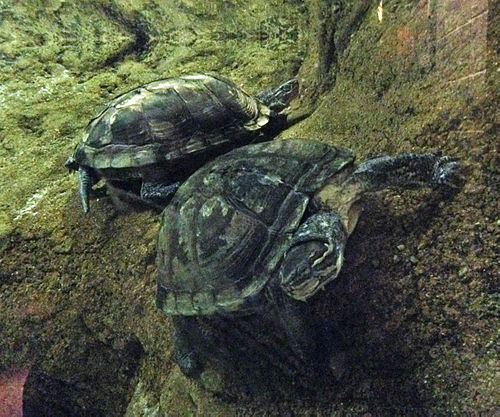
264 227
154 136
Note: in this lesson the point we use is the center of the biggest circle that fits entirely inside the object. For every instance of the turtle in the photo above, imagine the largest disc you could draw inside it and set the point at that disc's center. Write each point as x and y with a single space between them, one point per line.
152 137
264 227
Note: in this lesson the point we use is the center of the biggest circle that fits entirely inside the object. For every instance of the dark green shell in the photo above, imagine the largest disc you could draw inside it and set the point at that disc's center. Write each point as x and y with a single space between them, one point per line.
169 120
226 229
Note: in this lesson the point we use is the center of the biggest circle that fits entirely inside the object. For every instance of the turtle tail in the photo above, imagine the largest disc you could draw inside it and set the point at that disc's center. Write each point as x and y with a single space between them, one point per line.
85 184
279 98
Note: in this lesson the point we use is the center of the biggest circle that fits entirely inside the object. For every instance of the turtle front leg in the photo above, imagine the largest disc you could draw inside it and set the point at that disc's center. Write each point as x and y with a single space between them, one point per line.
186 334
314 258
409 171
85 182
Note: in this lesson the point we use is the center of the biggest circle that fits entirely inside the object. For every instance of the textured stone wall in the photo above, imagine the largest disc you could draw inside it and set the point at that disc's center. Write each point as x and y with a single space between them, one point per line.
416 306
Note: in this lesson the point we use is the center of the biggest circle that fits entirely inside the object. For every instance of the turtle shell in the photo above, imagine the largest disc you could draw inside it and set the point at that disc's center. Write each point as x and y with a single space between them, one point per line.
226 229
168 120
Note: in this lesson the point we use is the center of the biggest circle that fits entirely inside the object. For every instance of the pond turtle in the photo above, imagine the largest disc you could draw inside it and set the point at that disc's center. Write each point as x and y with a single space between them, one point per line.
154 136
265 226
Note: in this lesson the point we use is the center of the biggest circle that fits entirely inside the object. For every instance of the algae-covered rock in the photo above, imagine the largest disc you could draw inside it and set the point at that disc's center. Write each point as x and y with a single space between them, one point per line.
416 327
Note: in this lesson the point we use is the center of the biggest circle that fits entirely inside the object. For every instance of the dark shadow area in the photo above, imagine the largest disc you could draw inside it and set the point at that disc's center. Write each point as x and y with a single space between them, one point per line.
374 305
254 360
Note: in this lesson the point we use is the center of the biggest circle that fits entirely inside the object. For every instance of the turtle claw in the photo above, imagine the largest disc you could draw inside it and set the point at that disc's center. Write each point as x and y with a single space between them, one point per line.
447 174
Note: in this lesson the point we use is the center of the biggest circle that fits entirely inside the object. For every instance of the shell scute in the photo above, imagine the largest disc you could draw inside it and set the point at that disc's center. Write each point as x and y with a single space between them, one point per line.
130 127
98 132
168 119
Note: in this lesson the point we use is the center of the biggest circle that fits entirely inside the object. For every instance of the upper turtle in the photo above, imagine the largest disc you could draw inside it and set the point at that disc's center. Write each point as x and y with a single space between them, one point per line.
171 122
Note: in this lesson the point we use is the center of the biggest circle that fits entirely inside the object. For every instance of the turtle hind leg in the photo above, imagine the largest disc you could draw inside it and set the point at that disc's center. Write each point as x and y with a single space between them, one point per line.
124 194
186 335
158 191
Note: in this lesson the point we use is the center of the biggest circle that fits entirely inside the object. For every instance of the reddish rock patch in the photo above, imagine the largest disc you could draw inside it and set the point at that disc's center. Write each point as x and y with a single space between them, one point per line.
11 392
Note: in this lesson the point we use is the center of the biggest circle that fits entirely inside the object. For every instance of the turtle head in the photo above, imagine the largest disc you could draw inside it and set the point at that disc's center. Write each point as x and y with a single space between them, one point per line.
310 267
279 98
315 256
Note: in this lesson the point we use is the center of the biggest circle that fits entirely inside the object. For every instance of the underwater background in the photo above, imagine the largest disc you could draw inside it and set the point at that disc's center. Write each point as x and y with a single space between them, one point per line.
417 301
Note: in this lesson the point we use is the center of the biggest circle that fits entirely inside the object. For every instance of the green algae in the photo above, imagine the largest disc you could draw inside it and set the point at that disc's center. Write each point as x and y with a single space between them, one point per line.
421 331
